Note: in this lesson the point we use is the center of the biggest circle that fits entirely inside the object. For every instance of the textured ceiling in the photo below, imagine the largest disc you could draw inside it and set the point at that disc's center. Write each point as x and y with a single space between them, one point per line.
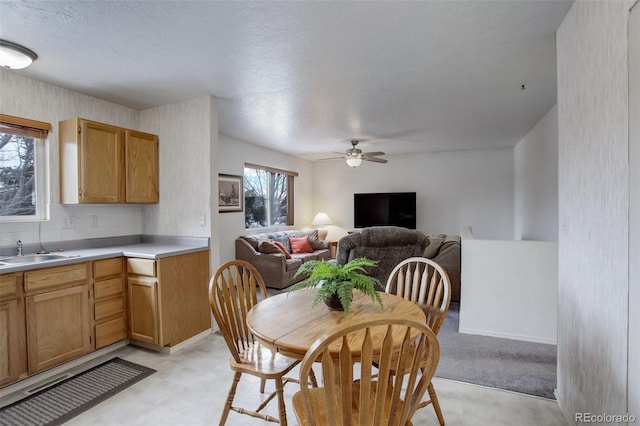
304 77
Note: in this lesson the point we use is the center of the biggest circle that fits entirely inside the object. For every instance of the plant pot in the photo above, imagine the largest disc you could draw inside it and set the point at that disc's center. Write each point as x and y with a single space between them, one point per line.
334 303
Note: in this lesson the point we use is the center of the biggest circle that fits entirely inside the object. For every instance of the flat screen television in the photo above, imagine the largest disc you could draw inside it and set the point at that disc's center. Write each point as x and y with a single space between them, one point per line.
385 209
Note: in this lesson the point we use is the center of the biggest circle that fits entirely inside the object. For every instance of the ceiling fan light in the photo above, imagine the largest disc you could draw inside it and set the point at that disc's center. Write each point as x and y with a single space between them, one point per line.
15 56
354 161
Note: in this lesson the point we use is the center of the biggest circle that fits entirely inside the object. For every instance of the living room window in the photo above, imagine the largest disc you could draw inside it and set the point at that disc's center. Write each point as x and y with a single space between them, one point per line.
268 196
23 169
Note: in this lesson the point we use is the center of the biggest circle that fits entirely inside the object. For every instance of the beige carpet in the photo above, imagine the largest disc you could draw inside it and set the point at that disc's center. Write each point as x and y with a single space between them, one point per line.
514 365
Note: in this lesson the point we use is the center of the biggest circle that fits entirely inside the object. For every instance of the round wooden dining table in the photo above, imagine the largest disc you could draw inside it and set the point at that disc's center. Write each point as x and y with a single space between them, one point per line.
288 324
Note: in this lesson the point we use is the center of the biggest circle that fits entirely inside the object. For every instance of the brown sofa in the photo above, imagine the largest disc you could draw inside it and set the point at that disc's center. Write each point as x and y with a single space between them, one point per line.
389 245
277 271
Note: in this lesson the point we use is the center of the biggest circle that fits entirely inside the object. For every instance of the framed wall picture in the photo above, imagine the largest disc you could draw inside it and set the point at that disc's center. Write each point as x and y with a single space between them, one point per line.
230 193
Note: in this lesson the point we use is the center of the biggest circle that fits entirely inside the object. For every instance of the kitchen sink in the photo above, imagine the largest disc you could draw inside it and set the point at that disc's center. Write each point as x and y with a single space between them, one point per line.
33 258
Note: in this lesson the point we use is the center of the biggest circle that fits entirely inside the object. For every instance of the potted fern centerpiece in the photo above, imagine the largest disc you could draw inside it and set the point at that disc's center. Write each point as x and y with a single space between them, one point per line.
337 282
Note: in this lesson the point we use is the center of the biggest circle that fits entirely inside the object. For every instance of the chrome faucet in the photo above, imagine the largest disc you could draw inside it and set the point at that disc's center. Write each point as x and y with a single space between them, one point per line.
19 244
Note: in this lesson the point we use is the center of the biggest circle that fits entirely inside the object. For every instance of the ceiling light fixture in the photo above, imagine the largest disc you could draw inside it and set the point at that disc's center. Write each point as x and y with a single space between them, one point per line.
14 56
354 161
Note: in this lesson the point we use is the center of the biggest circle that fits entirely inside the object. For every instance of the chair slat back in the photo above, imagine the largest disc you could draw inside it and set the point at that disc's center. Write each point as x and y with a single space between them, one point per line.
232 293
424 282
384 398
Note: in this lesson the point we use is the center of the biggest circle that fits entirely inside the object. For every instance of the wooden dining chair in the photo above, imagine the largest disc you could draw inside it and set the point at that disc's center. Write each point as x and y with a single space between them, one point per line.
350 394
424 282
233 291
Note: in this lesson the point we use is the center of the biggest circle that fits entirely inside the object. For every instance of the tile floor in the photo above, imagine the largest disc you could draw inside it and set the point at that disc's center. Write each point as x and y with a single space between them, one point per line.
190 387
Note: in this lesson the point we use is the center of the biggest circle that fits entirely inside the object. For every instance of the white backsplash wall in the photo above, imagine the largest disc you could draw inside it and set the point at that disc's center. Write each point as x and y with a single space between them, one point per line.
75 223
33 99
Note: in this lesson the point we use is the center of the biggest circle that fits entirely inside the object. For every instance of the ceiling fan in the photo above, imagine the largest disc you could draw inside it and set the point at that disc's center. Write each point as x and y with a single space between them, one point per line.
355 156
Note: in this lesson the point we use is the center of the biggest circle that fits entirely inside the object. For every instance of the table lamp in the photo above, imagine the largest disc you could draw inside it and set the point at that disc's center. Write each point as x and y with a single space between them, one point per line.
321 219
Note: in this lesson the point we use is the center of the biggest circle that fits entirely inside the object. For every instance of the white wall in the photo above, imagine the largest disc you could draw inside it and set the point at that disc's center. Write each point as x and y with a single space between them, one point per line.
453 189
518 280
33 99
593 208
634 216
188 144
233 154
185 136
536 181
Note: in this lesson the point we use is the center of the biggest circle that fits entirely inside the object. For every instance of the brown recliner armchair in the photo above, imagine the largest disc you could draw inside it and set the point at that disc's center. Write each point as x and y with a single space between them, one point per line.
390 245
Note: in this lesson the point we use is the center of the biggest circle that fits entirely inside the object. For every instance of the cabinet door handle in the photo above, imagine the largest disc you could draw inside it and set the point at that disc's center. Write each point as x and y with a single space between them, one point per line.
79 191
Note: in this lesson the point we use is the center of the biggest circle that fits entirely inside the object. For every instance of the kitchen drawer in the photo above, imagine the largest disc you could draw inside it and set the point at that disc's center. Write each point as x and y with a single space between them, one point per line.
108 288
110 332
9 285
107 267
108 308
145 267
51 277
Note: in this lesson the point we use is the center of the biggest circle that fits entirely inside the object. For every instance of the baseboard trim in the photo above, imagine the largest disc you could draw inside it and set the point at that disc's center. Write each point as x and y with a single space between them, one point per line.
571 420
525 338
436 378
173 349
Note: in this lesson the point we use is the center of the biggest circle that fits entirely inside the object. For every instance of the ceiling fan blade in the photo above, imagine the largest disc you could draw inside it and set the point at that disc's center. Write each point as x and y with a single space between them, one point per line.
375 159
373 154
332 158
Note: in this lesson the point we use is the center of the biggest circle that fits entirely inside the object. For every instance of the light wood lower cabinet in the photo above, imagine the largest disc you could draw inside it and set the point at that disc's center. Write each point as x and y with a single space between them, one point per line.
13 344
57 304
57 326
168 298
109 309
52 315
144 323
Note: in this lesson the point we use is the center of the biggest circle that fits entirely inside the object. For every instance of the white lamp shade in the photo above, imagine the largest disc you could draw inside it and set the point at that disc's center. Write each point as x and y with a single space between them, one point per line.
354 161
321 219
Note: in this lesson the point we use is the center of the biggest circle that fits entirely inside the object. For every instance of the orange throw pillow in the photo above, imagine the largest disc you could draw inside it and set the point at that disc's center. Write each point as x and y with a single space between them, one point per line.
284 250
300 245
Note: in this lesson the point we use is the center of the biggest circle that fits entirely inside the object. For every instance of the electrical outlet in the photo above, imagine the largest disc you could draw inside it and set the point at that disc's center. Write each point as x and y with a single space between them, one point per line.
94 220
69 222
203 220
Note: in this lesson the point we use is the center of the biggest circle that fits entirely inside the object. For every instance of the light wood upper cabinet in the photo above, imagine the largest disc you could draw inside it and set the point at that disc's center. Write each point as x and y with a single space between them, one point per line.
141 165
105 164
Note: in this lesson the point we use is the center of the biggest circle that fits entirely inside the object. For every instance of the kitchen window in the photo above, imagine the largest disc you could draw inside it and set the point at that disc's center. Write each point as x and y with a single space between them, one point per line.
23 169
268 196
